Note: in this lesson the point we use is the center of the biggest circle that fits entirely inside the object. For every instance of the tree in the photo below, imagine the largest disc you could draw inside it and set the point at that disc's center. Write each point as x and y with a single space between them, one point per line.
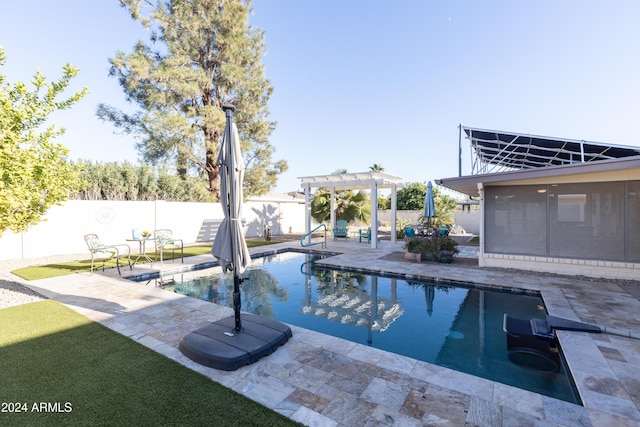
383 202
350 205
445 207
411 197
34 171
203 54
114 181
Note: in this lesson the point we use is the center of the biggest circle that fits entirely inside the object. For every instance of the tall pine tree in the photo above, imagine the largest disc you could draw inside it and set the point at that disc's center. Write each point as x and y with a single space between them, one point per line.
202 54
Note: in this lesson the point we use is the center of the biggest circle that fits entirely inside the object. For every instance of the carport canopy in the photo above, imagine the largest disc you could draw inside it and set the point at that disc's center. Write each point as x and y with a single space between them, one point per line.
373 181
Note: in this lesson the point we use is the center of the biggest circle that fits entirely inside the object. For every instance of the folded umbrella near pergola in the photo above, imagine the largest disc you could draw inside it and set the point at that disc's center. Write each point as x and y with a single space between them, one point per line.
230 343
429 205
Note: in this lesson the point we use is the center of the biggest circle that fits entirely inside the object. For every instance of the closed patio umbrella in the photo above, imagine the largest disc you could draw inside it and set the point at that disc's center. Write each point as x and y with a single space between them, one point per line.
229 246
215 344
429 205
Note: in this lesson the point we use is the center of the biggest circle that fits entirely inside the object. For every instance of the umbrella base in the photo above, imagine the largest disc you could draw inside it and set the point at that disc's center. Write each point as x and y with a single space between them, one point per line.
218 346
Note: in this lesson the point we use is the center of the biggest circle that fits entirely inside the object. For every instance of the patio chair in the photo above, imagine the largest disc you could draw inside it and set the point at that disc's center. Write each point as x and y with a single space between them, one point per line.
341 230
409 232
101 252
166 242
367 234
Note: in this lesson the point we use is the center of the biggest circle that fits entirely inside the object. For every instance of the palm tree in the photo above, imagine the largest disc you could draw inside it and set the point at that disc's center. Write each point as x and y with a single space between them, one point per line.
350 205
383 202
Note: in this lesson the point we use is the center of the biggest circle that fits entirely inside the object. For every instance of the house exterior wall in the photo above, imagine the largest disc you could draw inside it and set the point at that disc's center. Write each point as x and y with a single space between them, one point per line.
589 227
577 267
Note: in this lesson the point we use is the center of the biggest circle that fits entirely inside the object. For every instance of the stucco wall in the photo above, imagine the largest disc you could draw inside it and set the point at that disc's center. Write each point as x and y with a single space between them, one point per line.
468 220
65 226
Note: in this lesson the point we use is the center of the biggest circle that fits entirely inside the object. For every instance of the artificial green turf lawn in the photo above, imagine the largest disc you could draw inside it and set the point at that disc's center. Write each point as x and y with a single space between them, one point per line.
92 376
36 272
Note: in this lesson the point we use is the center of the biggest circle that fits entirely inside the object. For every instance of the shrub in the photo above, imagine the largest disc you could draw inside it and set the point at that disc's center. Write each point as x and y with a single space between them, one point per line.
445 243
432 247
417 245
400 226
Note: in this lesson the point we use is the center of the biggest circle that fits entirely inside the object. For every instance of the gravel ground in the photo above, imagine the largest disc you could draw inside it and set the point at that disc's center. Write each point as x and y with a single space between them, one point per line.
12 293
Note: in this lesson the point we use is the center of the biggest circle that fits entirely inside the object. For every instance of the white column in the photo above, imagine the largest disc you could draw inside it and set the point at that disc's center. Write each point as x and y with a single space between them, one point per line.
481 234
307 210
374 215
394 210
332 204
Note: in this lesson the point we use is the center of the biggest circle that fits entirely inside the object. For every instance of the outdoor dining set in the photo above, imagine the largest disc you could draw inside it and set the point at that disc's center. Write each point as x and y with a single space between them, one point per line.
162 240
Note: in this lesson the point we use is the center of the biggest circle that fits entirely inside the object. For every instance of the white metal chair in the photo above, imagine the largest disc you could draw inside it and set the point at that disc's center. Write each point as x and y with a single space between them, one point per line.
166 242
101 252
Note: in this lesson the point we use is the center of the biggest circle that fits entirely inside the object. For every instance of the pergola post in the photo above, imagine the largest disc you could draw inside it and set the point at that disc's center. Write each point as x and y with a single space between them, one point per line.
482 219
332 198
394 212
307 210
374 215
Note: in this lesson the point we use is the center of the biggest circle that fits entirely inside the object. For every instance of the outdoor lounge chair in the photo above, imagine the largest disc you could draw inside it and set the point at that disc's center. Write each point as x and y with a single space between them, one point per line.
101 252
367 234
341 230
409 232
166 242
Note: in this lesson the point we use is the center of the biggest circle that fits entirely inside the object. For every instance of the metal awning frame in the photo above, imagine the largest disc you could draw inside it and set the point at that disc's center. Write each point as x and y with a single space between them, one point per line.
499 151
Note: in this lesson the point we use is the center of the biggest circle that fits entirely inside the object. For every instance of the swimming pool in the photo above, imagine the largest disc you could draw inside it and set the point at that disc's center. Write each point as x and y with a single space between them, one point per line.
445 324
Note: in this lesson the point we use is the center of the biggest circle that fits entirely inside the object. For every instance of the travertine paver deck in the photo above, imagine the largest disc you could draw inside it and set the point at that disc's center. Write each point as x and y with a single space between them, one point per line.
325 381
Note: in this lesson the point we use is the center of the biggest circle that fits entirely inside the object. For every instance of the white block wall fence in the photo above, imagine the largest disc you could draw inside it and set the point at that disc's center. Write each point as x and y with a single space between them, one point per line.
113 221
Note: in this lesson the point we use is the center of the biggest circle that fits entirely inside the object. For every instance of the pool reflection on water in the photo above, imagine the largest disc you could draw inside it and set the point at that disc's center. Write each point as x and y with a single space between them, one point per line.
456 327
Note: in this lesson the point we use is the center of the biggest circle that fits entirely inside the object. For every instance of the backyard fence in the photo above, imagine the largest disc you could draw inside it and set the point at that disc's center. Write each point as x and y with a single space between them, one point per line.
113 221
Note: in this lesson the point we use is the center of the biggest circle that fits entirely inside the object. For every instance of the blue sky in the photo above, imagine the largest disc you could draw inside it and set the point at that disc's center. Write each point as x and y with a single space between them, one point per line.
364 82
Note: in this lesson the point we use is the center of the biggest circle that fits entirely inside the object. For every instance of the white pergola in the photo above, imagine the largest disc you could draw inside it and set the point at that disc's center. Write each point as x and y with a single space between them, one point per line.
353 181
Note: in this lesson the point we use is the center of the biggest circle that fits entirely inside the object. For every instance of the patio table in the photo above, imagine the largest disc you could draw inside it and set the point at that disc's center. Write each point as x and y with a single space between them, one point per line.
143 249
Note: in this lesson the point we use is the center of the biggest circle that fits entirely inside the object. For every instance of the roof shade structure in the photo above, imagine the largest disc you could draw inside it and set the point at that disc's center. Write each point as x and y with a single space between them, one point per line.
353 181
499 151
581 172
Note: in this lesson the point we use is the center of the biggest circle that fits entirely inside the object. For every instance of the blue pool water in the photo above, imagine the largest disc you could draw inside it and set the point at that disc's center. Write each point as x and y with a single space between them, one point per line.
456 327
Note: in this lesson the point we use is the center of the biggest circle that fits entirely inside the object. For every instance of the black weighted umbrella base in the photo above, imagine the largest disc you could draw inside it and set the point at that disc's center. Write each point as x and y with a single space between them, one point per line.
217 345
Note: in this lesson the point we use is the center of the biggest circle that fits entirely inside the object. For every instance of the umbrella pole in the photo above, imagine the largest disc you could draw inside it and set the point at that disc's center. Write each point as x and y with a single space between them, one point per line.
216 344
236 301
229 109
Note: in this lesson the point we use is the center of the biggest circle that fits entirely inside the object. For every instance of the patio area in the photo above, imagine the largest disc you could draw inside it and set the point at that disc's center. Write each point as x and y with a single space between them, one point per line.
320 380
